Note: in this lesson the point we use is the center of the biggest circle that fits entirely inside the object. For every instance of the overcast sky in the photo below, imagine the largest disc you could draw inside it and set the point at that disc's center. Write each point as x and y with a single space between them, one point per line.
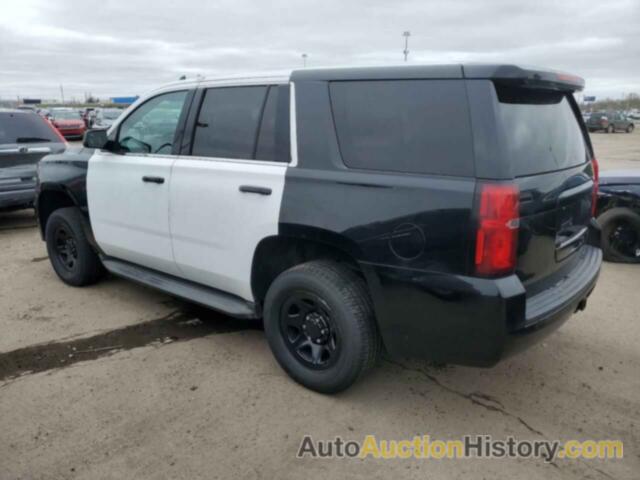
116 47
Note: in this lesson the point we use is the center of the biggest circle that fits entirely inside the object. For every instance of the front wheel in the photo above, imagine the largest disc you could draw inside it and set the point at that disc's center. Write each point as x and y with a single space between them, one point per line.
70 253
320 325
630 128
610 129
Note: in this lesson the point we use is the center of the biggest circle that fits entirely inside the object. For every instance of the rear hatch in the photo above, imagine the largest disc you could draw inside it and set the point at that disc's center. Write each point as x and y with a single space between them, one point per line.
544 139
24 139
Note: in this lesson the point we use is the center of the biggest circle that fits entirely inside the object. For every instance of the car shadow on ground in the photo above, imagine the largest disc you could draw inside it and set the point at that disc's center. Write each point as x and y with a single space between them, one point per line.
17 219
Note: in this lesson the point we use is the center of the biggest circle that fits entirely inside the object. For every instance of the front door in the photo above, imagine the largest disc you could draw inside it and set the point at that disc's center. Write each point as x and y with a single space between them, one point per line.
128 192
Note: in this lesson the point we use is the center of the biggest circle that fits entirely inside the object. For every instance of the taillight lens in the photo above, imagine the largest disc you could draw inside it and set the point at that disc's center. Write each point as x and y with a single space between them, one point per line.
497 235
596 184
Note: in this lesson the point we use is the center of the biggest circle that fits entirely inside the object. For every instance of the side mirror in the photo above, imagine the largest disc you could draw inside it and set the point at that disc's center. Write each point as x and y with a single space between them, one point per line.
95 138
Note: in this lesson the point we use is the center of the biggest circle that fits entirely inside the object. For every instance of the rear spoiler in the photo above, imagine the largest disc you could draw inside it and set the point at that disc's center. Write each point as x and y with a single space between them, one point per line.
525 77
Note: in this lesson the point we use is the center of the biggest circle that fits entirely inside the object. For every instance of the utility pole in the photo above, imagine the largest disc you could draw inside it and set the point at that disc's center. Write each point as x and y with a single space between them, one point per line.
62 93
406 34
304 60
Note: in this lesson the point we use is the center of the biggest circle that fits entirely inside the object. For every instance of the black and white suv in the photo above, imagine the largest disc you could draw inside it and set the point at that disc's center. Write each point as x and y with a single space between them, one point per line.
435 211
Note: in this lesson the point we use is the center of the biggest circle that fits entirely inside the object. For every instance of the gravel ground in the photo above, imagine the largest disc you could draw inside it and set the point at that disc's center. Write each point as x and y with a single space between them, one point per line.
118 381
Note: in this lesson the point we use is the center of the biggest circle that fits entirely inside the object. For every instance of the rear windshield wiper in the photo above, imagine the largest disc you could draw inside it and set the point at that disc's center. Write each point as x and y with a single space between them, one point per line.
31 140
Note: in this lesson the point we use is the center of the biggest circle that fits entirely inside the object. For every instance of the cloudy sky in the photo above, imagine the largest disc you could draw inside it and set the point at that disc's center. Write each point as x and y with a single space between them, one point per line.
116 47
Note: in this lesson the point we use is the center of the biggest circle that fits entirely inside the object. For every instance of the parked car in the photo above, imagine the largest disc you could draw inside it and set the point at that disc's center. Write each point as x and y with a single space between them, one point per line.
68 122
609 122
619 215
105 117
351 209
25 138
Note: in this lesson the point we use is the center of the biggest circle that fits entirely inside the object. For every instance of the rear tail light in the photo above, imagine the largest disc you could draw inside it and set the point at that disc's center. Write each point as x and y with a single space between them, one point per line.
596 184
497 234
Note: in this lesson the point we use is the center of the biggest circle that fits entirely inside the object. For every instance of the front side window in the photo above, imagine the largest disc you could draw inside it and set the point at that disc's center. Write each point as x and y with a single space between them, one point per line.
152 127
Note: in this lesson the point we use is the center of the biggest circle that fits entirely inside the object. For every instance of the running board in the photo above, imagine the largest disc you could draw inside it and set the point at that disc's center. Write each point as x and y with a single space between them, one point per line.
206 296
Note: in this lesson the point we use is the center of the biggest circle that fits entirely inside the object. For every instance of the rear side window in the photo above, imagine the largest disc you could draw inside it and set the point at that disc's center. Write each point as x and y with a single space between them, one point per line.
413 126
228 122
541 132
273 140
25 128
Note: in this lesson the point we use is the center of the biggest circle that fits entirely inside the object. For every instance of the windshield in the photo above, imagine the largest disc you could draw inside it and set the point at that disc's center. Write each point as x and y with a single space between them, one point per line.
66 115
25 128
542 132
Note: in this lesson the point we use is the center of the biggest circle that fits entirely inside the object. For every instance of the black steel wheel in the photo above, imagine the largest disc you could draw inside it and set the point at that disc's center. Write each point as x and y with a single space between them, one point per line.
70 253
66 249
310 333
319 322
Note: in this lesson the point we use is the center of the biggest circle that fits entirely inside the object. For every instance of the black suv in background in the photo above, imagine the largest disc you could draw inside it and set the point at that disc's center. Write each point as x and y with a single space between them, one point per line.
25 137
444 212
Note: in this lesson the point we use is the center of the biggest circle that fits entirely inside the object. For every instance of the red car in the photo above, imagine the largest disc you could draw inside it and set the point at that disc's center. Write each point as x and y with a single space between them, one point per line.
68 122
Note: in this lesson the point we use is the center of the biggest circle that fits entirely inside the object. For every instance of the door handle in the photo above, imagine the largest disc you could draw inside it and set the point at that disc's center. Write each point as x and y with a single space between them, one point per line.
158 180
254 189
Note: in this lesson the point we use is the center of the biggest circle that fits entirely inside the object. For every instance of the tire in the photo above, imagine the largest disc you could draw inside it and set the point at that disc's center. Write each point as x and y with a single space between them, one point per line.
611 129
610 221
630 128
324 301
70 253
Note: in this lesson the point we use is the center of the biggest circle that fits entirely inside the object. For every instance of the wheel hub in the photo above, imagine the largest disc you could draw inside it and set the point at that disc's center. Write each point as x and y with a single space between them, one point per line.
316 328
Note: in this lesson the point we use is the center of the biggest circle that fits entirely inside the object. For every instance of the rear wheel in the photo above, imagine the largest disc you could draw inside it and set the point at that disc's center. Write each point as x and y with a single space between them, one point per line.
620 235
320 325
630 128
70 253
610 129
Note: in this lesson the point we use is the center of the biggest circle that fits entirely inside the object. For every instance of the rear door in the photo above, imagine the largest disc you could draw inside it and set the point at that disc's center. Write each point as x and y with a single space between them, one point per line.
128 192
544 141
226 195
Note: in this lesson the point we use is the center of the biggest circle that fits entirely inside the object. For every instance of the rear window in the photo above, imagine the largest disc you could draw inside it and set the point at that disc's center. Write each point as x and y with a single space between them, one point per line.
21 127
540 130
412 126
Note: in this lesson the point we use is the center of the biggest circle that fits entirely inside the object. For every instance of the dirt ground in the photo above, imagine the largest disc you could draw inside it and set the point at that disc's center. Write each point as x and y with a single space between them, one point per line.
118 381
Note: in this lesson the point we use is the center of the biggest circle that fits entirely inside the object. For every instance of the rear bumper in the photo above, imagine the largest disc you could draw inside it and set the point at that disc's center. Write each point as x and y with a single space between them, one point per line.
469 320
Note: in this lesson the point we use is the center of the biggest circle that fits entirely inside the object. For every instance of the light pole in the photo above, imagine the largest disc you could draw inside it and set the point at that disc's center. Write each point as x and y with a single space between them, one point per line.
406 34
304 60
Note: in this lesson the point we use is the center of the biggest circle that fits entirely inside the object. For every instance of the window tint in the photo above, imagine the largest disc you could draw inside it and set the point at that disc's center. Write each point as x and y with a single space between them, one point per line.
151 128
415 126
25 128
273 140
540 129
228 122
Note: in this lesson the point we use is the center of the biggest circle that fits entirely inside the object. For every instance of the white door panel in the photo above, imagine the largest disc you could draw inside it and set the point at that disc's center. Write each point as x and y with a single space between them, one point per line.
215 227
129 217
